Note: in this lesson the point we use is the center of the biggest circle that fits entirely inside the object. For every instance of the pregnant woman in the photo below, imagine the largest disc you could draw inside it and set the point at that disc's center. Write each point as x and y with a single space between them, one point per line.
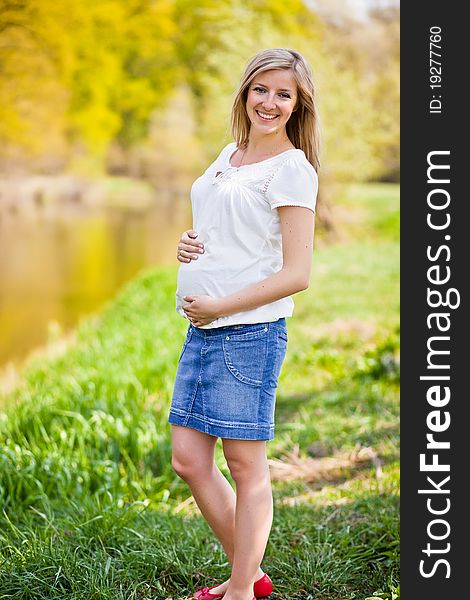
250 248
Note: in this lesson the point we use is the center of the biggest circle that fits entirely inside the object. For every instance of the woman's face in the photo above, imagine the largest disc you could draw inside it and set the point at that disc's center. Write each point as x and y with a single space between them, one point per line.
271 99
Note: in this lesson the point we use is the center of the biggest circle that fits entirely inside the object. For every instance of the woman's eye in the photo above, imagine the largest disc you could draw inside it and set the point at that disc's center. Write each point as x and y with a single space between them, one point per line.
262 90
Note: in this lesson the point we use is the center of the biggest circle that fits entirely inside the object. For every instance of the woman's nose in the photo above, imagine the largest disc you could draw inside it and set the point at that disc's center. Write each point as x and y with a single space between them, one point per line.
268 103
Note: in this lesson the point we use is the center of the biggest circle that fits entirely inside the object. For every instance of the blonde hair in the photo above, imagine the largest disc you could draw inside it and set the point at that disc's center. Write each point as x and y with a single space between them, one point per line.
303 126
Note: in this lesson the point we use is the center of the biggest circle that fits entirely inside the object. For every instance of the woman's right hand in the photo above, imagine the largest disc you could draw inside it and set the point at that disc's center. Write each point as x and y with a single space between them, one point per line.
189 247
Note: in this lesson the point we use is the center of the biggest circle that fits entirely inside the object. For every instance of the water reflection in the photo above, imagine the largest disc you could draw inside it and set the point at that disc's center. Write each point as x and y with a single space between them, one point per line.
58 262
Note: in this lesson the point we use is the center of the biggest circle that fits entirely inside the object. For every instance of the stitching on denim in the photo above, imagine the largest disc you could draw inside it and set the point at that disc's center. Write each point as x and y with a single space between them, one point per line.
220 423
189 335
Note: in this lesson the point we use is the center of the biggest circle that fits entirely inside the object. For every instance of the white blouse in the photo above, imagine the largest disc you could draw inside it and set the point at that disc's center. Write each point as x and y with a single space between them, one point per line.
234 214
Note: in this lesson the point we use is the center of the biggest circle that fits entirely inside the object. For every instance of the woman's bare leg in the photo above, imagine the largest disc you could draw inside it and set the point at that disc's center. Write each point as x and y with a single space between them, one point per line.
248 465
193 460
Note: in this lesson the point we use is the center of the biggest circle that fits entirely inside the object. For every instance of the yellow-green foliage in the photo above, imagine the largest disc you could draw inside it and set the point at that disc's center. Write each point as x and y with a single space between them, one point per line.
90 71
81 78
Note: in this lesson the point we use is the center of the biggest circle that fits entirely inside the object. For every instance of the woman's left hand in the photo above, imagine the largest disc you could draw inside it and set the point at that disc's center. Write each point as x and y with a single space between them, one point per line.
201 310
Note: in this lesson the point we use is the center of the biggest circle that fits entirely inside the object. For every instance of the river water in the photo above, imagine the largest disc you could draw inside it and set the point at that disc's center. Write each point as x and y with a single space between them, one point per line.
64 260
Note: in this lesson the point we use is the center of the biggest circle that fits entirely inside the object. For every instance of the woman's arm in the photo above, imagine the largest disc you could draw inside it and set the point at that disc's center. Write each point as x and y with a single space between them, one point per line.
297 230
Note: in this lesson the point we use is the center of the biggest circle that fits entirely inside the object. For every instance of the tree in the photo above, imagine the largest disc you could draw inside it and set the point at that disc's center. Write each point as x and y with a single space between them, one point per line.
86 73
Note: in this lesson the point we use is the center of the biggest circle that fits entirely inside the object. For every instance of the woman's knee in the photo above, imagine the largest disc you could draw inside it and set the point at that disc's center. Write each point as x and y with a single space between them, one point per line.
192 453
244 464
181 467
189 467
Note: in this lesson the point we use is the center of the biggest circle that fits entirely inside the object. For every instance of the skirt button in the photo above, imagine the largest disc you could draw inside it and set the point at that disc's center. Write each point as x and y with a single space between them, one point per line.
227 338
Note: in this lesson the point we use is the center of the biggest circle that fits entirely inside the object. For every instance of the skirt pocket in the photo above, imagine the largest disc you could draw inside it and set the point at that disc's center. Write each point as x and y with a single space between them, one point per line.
245 355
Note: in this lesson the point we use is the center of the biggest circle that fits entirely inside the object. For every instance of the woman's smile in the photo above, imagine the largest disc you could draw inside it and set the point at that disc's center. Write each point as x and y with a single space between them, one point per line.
265 116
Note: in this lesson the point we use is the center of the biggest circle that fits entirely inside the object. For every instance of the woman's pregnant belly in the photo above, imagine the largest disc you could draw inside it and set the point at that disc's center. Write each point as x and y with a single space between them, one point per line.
213 277
216 283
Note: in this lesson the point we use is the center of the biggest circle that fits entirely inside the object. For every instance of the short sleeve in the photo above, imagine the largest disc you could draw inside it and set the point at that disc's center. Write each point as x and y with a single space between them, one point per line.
294 183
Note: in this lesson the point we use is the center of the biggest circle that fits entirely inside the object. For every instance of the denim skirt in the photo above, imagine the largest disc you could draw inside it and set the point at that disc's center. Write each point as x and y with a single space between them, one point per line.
227 378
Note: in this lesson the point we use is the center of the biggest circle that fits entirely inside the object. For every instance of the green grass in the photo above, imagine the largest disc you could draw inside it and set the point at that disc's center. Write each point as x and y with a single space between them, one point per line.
91 507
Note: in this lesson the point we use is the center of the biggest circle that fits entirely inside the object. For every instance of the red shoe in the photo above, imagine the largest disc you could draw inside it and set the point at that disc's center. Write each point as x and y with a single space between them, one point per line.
261 588
204 594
